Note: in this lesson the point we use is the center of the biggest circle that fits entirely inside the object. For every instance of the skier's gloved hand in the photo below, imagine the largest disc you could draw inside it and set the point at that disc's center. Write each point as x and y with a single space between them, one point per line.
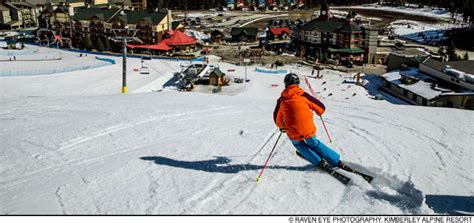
282 130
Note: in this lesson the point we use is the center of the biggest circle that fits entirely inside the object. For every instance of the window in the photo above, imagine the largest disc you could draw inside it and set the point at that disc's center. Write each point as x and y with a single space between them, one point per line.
424 101
405 92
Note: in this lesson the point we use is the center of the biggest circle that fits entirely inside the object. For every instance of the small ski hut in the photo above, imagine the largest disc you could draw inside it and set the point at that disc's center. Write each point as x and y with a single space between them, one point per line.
217 36
244 34
217 78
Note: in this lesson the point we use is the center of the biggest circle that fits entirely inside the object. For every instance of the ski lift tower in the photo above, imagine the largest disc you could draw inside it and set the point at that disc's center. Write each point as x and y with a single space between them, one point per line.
124 37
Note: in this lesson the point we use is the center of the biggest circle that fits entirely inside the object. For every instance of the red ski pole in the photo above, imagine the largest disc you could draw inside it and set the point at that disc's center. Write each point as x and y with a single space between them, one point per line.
261 172
330 141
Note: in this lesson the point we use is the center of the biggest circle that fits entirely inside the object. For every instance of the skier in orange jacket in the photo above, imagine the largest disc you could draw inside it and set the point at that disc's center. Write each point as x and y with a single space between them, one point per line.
294 115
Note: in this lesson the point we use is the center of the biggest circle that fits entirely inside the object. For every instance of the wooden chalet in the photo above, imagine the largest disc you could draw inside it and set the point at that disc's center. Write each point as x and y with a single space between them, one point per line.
217 36
244 34
217 78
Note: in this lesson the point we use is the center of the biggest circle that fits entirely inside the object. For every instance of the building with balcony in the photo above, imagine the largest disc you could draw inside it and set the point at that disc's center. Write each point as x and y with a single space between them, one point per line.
107 21
18 14
433 83
6 21
244 34
338 38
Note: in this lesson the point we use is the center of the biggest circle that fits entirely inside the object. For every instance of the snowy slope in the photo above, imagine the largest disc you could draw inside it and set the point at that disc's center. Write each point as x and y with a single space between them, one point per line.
421 32
441 14
71 147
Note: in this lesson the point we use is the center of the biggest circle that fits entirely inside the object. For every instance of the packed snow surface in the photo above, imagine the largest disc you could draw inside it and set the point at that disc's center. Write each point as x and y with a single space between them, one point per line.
73 144
420 31
441 14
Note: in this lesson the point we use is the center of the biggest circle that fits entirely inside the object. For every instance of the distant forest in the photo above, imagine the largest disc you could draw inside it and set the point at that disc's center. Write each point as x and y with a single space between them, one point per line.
464 7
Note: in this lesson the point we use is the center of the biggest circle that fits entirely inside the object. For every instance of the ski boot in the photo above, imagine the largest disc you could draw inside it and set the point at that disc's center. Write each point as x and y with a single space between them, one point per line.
344 167
325 165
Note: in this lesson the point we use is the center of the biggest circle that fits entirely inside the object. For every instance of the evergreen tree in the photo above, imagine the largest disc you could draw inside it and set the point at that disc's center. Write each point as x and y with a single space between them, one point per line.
88 43
451 51
466 56
106 44
99 45
81 44
324 58
441 52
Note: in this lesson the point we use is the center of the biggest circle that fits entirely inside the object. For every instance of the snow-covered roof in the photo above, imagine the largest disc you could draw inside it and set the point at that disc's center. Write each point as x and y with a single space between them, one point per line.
422 87
469 93
463 65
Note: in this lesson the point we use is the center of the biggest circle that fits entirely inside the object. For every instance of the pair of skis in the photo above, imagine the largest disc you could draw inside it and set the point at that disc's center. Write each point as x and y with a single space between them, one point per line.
343 179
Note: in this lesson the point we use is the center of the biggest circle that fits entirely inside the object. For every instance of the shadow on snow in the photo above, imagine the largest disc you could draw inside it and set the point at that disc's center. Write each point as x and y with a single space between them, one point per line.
449 204
219 164
408 197
373 84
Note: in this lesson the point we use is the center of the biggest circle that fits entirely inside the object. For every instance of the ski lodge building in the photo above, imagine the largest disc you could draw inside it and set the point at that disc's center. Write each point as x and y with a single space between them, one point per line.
102 21
434 83
336 38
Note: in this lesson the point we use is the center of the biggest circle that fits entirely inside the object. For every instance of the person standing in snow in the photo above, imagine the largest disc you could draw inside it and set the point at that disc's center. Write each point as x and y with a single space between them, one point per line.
293 114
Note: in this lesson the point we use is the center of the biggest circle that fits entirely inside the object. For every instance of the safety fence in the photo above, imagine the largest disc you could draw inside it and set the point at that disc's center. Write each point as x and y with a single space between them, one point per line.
271 71
14 52
197 59
46 70
105 59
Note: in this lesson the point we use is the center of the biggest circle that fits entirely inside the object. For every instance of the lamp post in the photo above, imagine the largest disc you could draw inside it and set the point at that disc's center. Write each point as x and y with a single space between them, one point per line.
124 58
124 66
124 39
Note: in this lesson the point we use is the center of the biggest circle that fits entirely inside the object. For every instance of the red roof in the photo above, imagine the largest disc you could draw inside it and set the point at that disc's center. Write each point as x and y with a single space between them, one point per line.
160 46
179 39
280 30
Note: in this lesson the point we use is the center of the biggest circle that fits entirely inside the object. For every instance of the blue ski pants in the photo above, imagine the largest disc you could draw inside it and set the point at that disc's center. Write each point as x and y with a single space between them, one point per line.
313 150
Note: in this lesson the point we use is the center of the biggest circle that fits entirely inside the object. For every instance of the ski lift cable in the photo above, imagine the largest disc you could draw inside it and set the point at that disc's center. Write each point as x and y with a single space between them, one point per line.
169 66
158 71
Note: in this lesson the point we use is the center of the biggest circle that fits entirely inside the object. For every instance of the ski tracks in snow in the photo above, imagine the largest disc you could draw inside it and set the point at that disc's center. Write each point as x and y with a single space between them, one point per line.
397 195
71 144
385 190
251 189
65 148
219 186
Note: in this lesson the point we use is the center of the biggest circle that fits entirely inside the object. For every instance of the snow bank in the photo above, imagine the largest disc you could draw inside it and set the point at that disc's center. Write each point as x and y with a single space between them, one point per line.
198 35
419 31
441 14
34 60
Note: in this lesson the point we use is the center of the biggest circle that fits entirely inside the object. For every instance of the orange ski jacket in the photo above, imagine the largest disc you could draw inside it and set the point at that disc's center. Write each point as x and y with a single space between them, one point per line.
293 112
